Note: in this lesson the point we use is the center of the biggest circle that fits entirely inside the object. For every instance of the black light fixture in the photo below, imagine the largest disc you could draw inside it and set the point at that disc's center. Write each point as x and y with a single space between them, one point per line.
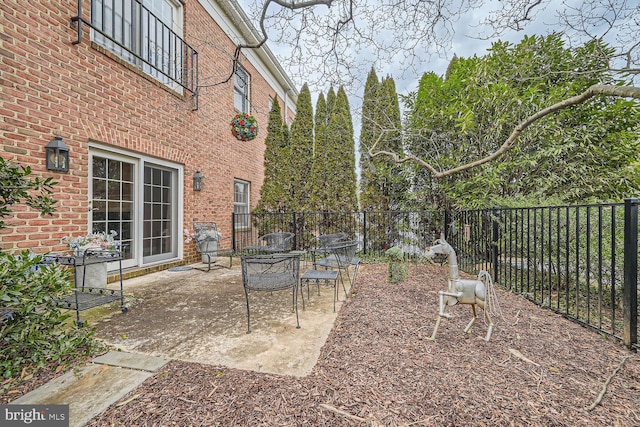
197 181
57 155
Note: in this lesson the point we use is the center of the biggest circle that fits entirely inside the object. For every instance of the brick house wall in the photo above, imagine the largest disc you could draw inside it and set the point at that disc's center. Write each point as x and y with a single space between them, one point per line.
102 105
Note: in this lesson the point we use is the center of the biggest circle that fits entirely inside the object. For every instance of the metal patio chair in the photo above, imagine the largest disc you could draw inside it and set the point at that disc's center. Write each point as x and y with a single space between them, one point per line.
272 243
323 243
325 240
342 256
271 273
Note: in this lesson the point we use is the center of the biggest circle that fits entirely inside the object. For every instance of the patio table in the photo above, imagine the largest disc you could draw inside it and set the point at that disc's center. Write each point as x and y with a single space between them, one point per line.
326 276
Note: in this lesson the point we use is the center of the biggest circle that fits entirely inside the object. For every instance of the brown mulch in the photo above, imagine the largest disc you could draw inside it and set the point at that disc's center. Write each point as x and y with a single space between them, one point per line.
378 367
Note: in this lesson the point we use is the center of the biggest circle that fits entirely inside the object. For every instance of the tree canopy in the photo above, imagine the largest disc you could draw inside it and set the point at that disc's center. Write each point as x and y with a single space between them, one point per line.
333 174
338 41
313 169
586 153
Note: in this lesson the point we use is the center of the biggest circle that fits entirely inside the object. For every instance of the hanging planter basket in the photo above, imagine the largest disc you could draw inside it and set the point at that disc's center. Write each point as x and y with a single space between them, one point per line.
244 127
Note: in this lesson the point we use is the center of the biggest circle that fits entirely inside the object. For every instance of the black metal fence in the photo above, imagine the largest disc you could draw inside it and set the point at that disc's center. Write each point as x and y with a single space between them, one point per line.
579 261
375 231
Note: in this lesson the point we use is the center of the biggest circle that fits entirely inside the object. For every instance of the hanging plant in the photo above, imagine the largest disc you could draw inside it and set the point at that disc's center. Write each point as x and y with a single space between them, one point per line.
244 127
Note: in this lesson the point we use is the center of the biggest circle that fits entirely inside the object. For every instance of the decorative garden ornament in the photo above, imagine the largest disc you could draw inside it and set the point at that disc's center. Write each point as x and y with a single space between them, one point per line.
478 291
244 127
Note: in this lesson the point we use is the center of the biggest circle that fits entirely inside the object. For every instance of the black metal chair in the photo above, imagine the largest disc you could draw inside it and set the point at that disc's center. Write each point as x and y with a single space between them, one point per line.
342 256
272 243
323 243
325 240
271 273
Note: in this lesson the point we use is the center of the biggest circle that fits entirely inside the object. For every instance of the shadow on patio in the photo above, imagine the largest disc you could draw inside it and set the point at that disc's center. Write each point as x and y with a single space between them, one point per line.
201 317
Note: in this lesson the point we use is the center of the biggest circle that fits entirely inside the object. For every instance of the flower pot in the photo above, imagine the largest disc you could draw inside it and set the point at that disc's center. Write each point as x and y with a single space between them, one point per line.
209 250
91 275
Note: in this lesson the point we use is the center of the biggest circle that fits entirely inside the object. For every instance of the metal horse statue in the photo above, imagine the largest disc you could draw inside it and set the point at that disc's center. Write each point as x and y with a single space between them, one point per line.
478 291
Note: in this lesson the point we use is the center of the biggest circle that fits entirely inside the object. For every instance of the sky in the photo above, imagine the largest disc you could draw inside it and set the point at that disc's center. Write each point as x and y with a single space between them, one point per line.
466 39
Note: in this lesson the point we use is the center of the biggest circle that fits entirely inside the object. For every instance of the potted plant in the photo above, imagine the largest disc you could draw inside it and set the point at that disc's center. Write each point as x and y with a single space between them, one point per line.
206 239
91 252
96 242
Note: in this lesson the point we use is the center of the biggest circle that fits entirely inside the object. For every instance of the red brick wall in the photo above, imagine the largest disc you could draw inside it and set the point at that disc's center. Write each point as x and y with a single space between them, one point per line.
51 86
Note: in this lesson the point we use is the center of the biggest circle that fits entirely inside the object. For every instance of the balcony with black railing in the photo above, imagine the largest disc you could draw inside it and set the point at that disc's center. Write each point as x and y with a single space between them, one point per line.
139 36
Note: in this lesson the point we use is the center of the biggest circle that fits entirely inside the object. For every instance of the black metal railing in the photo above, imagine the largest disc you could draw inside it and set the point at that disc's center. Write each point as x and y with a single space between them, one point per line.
135 34
579 261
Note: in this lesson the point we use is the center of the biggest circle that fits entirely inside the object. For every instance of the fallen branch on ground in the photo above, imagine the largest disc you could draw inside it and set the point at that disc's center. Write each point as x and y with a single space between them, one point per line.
519 355
341 412
128 400
606 384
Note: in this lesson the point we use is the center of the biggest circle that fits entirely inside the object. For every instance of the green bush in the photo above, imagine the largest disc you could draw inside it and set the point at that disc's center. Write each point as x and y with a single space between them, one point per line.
397 269
38 333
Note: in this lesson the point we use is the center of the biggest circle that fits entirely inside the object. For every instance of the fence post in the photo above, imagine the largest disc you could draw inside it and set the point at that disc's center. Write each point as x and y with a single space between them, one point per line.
495 231
233 231
364 232
447 222
630 300
295 231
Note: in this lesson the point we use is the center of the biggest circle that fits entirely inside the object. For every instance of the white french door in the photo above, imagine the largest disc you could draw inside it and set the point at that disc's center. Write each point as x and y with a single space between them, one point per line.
139 199
160 234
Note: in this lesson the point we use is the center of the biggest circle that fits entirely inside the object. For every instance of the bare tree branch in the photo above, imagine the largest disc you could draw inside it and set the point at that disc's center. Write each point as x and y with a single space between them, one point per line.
595 90
291 5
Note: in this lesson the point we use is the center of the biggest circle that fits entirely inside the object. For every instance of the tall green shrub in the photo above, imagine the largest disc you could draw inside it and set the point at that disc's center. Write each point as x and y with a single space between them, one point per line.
276 187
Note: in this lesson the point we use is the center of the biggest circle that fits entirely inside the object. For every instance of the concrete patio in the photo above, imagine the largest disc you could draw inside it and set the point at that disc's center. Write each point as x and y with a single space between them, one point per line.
201 317
195 316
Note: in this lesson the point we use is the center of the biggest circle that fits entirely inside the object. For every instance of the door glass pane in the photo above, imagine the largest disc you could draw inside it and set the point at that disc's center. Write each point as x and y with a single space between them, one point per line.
160 230
112 184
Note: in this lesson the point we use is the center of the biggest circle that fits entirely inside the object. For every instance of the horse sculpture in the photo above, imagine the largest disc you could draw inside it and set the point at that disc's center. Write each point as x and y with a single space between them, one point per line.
478 291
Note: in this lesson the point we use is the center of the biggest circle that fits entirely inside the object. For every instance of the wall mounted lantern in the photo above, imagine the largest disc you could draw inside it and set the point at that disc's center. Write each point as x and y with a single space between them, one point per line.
197 181
57 154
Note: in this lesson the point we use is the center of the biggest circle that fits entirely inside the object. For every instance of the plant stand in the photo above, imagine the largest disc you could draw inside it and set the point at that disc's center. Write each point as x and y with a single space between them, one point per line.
211 258
90 282
208 246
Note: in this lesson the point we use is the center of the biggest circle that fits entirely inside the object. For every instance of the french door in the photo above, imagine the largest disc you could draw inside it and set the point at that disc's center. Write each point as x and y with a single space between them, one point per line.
139 200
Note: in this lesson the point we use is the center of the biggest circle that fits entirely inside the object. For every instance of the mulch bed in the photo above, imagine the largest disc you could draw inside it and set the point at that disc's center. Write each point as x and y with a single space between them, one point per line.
378 367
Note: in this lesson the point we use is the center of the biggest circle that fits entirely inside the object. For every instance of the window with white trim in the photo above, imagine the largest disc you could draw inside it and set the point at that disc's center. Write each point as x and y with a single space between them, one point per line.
241 204
145 33
241 90
137 197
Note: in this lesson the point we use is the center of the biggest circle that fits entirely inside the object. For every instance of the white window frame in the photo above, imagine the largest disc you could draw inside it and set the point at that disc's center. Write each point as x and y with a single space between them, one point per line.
139 161
244 205
241 90
132 38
